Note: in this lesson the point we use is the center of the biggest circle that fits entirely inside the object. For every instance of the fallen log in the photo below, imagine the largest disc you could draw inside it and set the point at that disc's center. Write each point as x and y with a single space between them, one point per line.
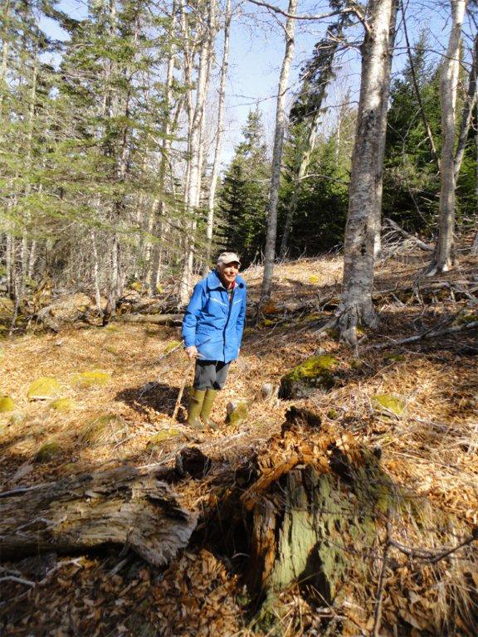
421 244
121 507
158 319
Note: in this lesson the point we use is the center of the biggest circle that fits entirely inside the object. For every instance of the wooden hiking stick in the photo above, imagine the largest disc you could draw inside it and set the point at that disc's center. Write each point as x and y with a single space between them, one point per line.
181 390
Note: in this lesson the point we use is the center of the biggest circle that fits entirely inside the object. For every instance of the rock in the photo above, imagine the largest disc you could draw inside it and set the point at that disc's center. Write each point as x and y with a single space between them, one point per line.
268 391
104 429
238 414
312 374
92 379
389 404
44 388
6 404
47 452
163 436
62 404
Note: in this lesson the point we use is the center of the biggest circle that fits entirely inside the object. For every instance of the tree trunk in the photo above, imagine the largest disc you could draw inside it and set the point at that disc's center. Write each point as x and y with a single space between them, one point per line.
365 195
193 192
270 248
467 114
444 257
119 507
219 137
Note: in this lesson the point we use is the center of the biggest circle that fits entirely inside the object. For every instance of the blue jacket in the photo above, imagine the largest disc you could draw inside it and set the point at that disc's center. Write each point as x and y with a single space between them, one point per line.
212 322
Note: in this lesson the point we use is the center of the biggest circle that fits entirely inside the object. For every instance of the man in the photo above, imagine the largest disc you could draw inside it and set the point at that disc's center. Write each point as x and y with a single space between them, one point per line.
212 333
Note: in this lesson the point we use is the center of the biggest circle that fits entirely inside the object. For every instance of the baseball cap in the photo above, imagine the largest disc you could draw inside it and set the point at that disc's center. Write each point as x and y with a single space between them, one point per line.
228 257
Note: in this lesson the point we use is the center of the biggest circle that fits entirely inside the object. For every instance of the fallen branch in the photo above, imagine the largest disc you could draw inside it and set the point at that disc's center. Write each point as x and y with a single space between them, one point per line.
407 235
427 335
158 319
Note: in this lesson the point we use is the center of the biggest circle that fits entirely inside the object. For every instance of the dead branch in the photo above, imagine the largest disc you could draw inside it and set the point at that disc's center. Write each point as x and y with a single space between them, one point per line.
158 319
407 235
427 335
434 556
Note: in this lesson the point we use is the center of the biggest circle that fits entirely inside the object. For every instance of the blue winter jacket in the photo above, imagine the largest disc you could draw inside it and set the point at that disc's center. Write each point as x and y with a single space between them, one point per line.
212 322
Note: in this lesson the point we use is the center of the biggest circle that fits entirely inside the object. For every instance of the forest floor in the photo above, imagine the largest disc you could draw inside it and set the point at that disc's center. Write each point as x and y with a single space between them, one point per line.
430 447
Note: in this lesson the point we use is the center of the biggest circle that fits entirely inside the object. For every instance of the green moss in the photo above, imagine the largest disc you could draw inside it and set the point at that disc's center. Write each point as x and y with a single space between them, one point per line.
62 404
356 363
313 367
333 414
44 388
111 328
103 429
92 379
396 358
239 414
469 317
2 354
313 373
170 346
163 436
389 404
137 286
6 404
314 279
47 452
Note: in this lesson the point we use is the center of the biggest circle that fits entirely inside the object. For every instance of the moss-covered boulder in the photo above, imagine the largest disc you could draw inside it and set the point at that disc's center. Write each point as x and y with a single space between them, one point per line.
104 429
44 388
389 404
164 436
6 404
62 404
48 452
238 414
91 379
312 374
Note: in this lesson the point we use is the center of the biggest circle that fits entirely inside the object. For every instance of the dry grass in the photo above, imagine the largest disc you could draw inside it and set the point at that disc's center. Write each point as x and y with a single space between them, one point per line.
429 451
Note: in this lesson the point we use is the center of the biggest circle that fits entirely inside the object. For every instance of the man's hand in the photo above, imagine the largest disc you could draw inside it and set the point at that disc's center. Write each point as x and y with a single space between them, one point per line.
192 352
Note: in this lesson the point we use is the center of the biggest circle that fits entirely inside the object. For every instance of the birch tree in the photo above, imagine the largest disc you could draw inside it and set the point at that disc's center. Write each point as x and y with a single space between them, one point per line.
444 257
280 125
365 194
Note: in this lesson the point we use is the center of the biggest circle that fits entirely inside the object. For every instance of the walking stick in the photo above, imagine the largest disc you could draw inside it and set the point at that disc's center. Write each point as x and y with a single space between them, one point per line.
181 390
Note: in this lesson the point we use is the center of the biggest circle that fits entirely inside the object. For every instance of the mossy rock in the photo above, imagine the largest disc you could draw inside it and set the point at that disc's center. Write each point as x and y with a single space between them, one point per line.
48 452
312 374
62 404
170 346
163 436
104 429
6 404
239 414
92 379
44 388
389 404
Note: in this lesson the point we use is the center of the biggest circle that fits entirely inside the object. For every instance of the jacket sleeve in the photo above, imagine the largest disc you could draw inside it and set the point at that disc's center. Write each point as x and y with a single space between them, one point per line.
241 319
191 315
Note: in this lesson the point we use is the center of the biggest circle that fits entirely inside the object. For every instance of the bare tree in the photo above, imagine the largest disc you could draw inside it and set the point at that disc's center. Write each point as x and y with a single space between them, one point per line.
443 258
365 195
277 153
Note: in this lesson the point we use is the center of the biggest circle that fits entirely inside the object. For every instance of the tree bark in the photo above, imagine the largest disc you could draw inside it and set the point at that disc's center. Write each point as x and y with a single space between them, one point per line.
270 247
444 257
365 195
219 138
467 115
119 507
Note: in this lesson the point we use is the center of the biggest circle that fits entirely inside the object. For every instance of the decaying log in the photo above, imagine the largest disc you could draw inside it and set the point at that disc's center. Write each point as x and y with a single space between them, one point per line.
120 507
158 319
421 244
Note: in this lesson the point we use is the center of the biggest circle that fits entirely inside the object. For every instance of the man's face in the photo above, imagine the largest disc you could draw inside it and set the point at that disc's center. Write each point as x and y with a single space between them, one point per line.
228 272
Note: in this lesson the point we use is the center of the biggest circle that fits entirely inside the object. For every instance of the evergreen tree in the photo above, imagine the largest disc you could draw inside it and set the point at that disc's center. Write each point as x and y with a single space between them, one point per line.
244 193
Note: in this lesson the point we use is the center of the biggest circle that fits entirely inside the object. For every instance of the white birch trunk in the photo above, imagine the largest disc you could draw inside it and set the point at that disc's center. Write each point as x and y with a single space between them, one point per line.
270 247
365 194
444 257
467 114
219 137
196 139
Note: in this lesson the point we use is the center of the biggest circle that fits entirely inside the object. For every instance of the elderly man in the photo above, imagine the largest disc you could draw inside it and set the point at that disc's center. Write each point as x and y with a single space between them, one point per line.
212 333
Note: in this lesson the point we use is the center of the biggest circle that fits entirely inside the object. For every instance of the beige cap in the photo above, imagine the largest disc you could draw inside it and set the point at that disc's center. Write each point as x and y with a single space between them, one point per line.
228 257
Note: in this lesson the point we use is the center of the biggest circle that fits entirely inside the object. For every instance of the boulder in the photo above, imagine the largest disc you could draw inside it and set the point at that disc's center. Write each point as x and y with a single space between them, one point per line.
44 388
6 404
315 373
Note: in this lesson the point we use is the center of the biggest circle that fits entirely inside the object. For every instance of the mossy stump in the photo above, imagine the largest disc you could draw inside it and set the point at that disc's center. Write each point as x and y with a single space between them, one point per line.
315 373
